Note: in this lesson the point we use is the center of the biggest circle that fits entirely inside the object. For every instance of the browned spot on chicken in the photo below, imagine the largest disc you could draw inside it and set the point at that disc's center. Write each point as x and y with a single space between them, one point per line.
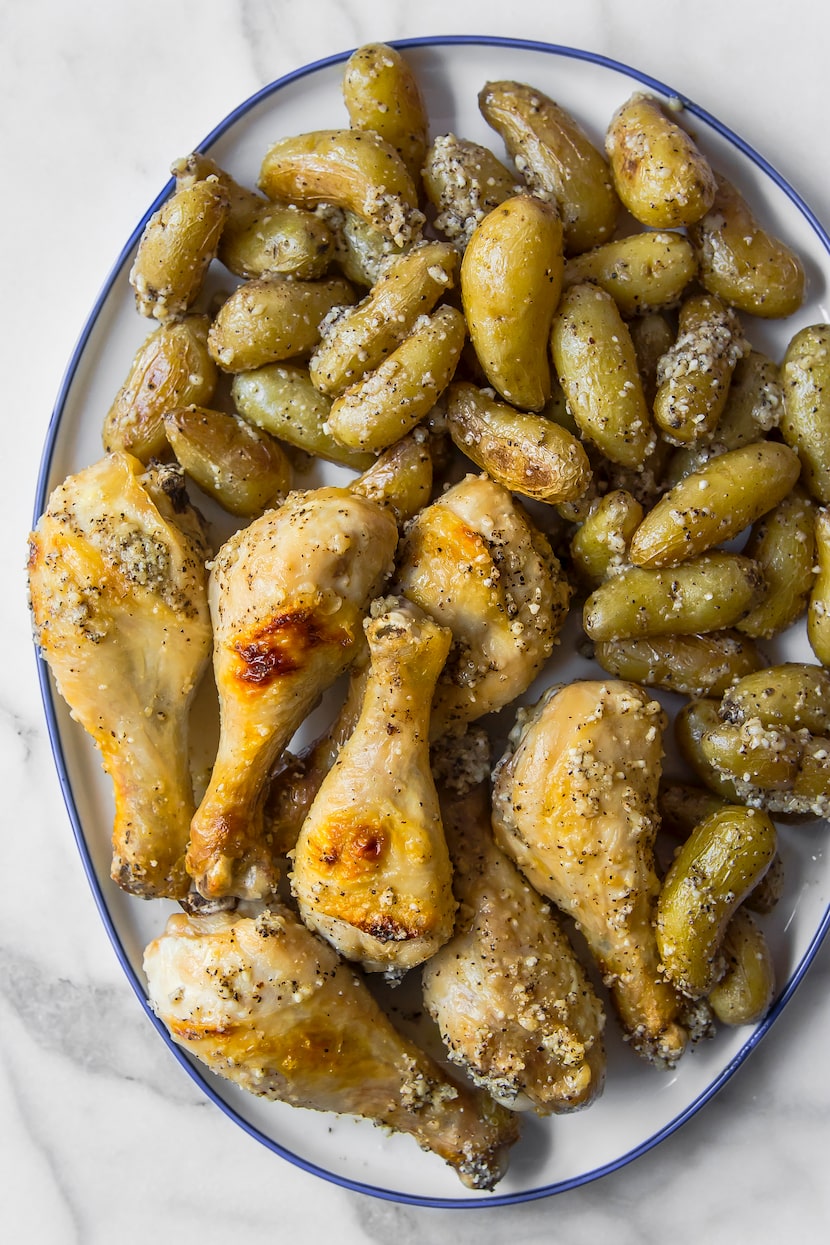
280 646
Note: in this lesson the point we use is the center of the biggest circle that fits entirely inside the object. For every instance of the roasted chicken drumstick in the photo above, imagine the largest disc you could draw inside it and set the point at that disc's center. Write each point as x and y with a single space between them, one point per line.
514 1005
371 869
267 1004
287 597
574 804
119 595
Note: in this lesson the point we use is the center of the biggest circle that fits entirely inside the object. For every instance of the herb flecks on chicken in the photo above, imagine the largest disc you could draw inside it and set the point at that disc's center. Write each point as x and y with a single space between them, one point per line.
119 596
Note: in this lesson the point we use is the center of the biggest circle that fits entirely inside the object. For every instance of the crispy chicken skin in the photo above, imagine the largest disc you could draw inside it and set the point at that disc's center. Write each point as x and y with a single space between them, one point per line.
574 804
514 1005
371 869
474 561
287 597
267 1004
118 589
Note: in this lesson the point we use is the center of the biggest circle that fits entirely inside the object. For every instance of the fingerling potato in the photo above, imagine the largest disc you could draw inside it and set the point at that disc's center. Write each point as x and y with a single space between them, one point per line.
741 262
381 94
556 159
525 452
511 279
659 173
176 247
596 365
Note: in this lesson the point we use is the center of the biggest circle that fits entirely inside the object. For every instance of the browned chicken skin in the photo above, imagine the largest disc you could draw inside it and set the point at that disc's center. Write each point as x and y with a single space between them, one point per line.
267 1004
287 596
371 868
119 596
514 1005
574 804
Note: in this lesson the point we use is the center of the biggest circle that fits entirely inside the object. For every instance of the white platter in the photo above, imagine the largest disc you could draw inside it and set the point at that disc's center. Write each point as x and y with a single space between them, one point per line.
640 1106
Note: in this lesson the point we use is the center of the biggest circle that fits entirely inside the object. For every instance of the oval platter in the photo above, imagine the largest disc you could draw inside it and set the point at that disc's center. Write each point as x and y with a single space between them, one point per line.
640 1106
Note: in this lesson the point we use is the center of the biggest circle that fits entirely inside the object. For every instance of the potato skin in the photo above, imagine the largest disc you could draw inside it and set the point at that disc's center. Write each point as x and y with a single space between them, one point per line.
692 665
805 424
353 169
783 544
270 240
177 245
695 374
511 279
525 452
556 159
725 856
242 469
708 593
642 272
659 174
381 94
794 694
362 337
386 404
745 991
171 368
270 319
818 606
599 547
597 367
280 399
712 505
741 262
464 181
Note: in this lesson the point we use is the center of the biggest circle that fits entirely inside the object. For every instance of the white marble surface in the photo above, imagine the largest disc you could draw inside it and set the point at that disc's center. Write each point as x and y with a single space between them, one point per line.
102 1137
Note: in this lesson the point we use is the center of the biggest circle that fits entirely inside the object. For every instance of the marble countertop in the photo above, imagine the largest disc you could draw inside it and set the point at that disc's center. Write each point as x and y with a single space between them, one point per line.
103 1138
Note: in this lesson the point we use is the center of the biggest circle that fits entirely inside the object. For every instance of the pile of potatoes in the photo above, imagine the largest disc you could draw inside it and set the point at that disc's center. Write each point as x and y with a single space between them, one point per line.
575 322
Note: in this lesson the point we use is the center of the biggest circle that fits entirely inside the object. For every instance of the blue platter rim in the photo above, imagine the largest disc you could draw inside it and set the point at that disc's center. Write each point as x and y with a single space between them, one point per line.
49 696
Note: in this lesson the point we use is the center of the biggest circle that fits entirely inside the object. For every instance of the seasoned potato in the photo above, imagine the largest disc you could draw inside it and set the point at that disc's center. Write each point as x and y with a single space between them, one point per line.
172 368
359 340
783 544
754 406
694 376
743 264
794 694
745 991
556 159
353 169
361 251
279 398
708 593
382 95
177 245
714 504
775 768
719 864
818 606
464 181
595 361
693 665
599 547
659 173
652 335
242 469
683 805
271 319
269 239
641 272
400 477
526 453
692 723
387 403
805 424
511 278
